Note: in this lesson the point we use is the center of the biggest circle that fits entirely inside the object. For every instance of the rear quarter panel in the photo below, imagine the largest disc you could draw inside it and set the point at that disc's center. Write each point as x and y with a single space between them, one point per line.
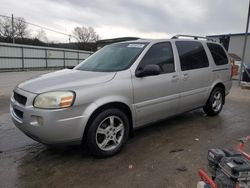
220 73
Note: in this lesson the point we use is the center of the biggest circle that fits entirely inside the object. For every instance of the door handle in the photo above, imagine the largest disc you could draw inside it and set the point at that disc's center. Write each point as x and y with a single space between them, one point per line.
175 78
185 76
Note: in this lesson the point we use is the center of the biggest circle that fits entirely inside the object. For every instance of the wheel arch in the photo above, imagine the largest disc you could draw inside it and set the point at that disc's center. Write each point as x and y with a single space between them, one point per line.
117 104
220 85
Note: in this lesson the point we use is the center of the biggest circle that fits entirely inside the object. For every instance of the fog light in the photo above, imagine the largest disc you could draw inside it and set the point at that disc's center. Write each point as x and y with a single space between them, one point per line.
36 120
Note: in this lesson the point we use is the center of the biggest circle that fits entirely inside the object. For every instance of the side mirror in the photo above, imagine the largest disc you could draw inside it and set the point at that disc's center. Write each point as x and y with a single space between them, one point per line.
70 67
148 70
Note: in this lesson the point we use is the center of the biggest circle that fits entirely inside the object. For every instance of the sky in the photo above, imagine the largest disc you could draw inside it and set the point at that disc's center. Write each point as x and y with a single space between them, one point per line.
133 18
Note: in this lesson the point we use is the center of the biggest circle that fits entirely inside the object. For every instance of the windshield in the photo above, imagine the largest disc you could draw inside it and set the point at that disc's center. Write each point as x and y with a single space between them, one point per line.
115 57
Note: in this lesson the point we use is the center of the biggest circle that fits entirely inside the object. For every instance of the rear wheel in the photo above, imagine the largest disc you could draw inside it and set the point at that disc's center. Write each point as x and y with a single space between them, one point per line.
108 132
215 102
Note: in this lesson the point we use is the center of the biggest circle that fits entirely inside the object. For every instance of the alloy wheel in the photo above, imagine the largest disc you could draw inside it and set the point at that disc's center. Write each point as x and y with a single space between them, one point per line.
110 133
217 101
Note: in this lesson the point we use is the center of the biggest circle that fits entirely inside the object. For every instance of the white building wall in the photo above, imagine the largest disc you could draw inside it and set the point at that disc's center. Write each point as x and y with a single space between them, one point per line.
236 46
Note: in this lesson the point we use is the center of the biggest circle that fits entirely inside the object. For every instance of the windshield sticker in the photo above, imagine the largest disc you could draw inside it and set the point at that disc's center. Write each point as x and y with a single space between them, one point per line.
136 45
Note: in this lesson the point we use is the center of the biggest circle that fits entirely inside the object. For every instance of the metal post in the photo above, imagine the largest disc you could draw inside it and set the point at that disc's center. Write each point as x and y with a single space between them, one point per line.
245 44
78 57
46 58
22 58
64 59
12 27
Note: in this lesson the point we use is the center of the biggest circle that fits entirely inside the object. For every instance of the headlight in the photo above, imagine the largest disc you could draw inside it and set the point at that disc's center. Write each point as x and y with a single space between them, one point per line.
55 99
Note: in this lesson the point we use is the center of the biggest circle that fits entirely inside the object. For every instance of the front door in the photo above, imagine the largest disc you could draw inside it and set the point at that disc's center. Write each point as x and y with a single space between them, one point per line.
156 97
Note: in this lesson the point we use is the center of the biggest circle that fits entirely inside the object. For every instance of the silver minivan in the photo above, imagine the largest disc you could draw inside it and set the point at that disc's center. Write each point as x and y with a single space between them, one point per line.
121 87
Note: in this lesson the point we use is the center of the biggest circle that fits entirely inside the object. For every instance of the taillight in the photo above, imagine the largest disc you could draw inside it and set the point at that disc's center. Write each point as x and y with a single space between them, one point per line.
232 70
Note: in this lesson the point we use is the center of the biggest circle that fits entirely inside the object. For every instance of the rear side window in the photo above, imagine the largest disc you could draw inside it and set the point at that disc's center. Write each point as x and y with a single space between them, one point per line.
162 55
219 55
192 55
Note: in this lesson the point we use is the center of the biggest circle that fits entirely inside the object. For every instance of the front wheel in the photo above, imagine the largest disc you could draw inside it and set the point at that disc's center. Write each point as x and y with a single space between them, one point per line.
215 102
108 132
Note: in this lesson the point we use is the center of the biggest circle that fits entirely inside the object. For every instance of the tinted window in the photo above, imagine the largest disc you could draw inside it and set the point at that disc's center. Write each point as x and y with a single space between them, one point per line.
219 55
114 57
192 55
162 55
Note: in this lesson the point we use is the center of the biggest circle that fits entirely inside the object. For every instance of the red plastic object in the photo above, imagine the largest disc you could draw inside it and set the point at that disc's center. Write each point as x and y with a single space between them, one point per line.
204 177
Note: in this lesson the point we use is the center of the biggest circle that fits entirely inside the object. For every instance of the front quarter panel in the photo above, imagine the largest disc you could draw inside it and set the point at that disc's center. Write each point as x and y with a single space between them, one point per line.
119 89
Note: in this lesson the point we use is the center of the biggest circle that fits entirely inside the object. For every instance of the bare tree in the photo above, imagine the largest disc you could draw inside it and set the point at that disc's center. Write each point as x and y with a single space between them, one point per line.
41 35
5 28
85 34
20 28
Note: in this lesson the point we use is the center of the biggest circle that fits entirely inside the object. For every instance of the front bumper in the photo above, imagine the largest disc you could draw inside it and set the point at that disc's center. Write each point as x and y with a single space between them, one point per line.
58 126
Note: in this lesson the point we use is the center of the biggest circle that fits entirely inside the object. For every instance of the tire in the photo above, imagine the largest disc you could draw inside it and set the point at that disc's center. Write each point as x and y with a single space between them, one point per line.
215 102
108 133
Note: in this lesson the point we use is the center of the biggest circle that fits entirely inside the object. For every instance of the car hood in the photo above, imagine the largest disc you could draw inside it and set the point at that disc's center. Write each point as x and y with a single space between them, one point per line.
68 79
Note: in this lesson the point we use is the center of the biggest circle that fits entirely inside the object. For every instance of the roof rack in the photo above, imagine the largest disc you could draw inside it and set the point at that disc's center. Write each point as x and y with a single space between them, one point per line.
192 36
